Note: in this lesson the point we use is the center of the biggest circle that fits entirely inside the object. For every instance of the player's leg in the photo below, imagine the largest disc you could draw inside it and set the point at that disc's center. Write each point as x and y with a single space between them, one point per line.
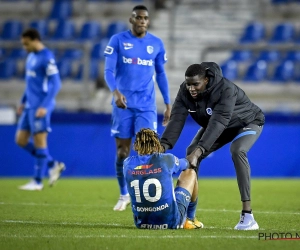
122 129
186 193
239 148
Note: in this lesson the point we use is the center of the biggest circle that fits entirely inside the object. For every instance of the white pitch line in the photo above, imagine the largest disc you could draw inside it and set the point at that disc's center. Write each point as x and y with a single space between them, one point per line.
106 224
199 209
132 236
238 211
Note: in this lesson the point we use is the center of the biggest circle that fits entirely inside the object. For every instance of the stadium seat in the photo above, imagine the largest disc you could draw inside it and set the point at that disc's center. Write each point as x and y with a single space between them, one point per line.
12 30
18 54
284 72
65 30
241 55
293 55
115 27
72 54
41 26
94 70
230 70
256 72
8 69
64 68
97 51
254 32
282 33
269 56
90 31
61 9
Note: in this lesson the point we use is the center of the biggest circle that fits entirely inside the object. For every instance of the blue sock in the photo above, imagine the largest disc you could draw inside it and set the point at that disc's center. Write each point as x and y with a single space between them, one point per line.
191 211
29 147
120 176
40 163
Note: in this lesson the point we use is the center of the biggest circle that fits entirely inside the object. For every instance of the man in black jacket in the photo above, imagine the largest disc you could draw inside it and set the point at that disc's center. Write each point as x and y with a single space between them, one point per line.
225 115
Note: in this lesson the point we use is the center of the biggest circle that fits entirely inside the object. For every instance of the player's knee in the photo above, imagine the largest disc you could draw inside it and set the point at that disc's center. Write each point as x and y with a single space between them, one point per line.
188 175
237 152
122 154
20 141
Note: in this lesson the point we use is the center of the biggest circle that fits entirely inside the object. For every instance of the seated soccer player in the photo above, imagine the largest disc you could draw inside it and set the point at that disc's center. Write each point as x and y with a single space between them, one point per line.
155 204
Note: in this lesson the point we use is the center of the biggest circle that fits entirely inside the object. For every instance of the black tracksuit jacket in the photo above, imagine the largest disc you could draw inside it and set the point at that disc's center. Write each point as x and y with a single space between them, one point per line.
221 108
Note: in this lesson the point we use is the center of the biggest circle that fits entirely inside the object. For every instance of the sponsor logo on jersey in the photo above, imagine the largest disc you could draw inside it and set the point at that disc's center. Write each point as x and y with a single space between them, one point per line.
108 50
151 226
144 166
128 46
51 68
144 171
152 209
192 111
187 197
138 61
209 111
150 49
30 73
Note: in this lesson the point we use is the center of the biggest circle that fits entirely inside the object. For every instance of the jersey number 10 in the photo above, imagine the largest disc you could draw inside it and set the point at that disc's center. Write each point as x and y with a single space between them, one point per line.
146 194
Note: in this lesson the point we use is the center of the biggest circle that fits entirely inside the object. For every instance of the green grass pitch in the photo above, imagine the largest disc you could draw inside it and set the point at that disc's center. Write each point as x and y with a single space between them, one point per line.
77 214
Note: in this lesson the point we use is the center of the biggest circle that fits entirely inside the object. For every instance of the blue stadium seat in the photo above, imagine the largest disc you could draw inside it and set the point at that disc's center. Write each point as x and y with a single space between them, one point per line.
230 70
256 72
72 54
8 69
269 56
254 32
61 9
94 70
283 32
242 55
41 26
90 31
65 30
12 30
284 72
64 68
18 54
97 51
293 55
115 27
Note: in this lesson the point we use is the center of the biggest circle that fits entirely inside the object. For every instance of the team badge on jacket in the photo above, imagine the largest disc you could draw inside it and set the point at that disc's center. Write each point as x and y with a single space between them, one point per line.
209 111
150 49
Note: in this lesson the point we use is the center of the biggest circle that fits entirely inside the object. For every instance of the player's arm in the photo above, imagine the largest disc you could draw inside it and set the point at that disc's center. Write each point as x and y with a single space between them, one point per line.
220 118
162 82
109 76
22 104
54 85
173 130
111 58
179 164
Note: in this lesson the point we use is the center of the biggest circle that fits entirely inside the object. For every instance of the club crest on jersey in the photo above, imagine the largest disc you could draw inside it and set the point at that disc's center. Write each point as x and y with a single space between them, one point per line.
150 49
209 111
127 46
144 166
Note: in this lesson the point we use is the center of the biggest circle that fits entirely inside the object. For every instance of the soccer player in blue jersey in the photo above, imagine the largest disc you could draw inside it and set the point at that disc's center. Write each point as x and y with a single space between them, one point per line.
42 85
132 59
155 204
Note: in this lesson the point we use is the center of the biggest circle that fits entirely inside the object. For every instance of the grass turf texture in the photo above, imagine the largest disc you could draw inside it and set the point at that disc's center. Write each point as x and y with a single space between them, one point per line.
77 214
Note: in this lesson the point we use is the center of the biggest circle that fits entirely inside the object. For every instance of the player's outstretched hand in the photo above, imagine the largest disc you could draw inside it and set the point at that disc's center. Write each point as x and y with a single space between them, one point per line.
167 115
120 99
193 157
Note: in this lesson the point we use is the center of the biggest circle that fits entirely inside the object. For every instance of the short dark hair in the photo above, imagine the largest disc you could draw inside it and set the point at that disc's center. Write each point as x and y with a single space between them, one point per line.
140 7
196 69
33 34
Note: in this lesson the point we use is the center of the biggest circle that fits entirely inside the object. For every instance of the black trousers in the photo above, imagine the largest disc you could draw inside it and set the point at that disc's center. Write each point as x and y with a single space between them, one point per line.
242 140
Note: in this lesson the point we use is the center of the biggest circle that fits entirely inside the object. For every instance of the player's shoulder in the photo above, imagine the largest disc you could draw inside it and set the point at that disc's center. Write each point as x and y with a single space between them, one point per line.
47 53
153 37
121 35
129 160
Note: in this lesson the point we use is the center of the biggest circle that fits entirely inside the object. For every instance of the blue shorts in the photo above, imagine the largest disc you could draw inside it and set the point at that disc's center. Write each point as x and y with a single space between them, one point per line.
127 122
29 122
183 199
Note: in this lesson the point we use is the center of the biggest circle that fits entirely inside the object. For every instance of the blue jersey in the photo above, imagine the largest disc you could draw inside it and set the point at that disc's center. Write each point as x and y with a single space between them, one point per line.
136 61
150 185
42 80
